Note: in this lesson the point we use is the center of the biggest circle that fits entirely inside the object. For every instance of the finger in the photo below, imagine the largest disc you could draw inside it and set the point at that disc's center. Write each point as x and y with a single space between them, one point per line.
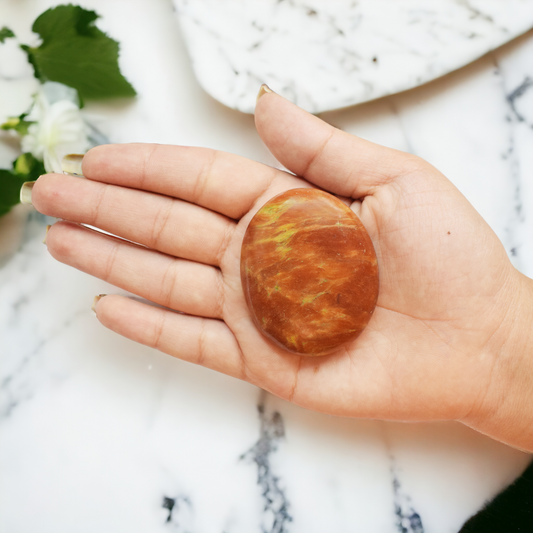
223 182
182 285
171 226
202 341
324 155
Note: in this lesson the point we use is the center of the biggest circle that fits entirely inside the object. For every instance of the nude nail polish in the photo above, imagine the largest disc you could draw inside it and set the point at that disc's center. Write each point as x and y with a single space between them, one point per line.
47 230
71 164
25 192
263 90
96 300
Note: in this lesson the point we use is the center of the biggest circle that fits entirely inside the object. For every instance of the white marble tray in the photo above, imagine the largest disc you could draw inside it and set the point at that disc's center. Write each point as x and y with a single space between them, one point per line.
326 55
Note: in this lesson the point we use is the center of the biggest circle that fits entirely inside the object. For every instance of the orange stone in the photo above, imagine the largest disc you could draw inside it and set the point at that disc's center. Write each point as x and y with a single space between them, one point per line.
309 272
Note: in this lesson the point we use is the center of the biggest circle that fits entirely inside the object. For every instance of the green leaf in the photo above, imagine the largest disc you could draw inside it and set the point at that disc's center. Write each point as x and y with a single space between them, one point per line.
25 168
18 124
28 167
10 185
75 52
5 33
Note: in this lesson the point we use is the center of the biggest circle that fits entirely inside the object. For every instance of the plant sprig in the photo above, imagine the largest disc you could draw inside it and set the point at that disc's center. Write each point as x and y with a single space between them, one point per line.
25 168
5 33
75 53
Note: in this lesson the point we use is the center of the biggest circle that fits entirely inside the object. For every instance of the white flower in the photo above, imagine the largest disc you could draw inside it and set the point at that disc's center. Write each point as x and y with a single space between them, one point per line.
59 127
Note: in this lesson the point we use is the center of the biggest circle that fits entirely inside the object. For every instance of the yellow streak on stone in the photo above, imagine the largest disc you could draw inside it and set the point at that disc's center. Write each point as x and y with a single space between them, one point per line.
311 298
281 238
272 212
292 340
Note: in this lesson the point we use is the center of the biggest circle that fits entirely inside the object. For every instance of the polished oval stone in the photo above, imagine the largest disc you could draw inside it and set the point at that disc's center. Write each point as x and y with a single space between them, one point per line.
309 272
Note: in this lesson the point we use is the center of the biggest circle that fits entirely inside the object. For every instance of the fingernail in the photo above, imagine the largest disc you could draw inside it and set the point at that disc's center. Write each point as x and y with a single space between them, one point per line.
263 90
96 300
47 230
71 164
25 192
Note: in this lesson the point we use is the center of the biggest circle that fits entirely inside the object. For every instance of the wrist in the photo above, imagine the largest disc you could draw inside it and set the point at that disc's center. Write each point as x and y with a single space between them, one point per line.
506 411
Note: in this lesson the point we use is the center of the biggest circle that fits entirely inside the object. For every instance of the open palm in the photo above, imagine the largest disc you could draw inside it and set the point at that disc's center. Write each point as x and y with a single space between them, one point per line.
445 280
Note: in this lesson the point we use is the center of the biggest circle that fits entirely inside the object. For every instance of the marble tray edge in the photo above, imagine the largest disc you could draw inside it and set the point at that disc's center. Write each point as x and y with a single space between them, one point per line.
402 87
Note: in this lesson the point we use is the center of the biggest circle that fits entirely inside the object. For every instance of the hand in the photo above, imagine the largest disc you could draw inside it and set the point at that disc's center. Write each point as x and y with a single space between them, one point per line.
441 343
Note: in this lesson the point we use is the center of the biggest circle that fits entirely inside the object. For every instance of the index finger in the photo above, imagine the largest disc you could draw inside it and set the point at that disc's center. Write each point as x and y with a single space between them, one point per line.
223 182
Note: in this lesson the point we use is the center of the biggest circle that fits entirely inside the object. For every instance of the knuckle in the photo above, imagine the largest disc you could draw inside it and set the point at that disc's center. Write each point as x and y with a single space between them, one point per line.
219 297
204 177
159 329
224 244
160 223
111 262
202 343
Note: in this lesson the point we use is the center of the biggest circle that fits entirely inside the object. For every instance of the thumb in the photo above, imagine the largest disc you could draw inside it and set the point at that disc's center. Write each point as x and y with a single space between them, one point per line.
322 154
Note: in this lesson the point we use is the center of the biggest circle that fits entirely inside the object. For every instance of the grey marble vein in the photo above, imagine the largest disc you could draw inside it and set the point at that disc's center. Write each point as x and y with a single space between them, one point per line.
407 519
179 509
276 505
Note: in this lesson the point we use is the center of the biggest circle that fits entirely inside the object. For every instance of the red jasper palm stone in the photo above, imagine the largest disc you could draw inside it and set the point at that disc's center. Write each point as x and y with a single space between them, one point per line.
309 272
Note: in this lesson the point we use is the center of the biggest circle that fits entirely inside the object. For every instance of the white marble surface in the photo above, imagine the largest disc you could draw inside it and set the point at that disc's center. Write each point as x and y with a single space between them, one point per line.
328 55
96 431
